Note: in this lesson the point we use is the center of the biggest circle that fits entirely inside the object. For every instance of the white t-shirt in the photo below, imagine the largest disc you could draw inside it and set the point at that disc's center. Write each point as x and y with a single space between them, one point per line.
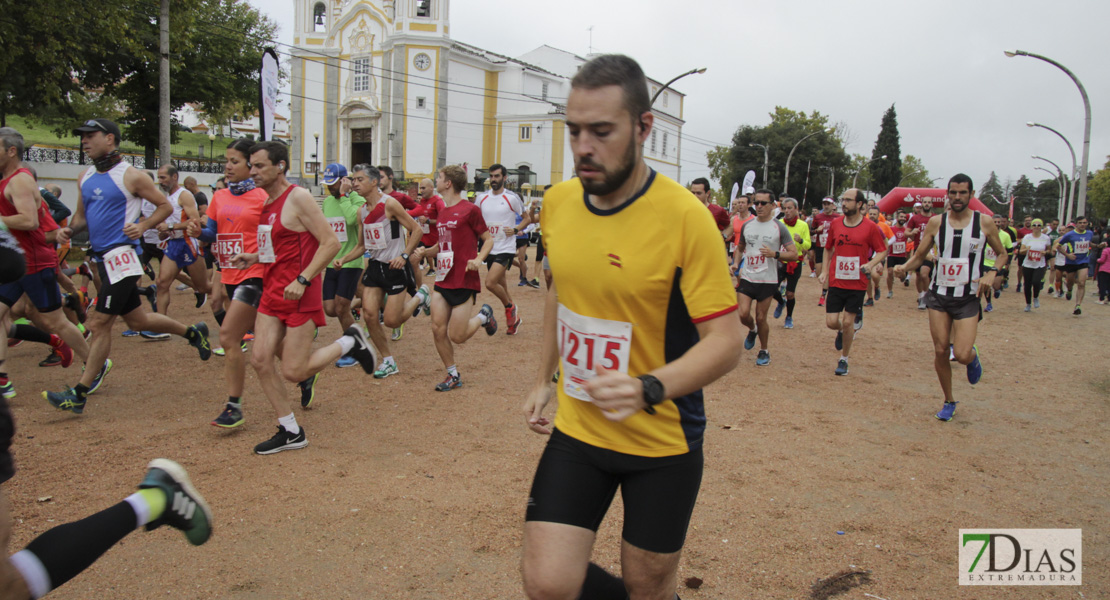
1037 247
771 234
500 211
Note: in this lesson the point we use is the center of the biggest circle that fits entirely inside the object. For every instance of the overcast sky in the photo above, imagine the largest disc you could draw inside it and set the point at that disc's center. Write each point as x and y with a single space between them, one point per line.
962 105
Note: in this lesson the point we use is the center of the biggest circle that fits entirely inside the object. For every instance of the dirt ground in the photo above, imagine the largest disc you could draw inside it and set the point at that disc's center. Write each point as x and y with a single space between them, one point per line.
404 492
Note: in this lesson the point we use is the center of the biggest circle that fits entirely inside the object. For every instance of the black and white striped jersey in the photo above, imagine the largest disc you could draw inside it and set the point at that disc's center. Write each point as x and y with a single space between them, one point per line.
959 255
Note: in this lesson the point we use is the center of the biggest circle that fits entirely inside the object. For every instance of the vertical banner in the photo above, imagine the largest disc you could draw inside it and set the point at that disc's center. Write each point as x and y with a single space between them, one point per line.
267 94
749 180
732 196
1011 208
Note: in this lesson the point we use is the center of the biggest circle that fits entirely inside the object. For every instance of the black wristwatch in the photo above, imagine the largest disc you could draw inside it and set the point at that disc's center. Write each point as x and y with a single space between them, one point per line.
404 256
653 392
301 280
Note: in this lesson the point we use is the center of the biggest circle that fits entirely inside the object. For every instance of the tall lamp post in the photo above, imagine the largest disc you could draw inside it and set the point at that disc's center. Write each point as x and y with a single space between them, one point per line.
211 145
1059 184
883 157
660 91
1064 186
316 160
1082 174
786 176
908 175
765 152
1074 173
832 178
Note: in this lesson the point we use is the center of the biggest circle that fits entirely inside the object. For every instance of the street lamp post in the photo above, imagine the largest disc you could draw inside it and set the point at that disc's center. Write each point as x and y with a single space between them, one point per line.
1059 185
1074 172
908 175
1064 187
316 161
211 144
864 166
660 91
765 152
832 178
786 176
1086 122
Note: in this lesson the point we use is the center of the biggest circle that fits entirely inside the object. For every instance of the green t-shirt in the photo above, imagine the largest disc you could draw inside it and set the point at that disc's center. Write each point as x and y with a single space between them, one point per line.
347 209
1007 243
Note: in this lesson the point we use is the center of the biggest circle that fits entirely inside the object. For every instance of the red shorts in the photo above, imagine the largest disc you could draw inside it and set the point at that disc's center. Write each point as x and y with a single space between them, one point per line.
294 319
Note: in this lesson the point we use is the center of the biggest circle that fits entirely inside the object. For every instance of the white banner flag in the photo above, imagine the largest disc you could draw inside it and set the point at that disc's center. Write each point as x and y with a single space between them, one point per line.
267 94
733 195
749 180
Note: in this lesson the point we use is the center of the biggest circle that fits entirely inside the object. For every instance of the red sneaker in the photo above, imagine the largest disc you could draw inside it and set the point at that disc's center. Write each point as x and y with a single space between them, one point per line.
63 350
513 320
821 302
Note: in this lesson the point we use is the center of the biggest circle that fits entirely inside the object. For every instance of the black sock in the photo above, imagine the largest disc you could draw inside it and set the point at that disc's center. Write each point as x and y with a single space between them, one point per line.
220 314
778 297
30 333
509 306
190 333
600 585
824 293
234 400
66 550
790 307
81 389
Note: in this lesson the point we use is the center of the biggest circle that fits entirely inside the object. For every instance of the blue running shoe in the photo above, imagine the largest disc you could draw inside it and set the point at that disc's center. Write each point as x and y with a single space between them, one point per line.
989 308
947 411
839 343
130 333
997 294
763 358
150 335
778 309
107 368
346 361
858 324
66 400
749 342
789 323
6 388
974 368
841 367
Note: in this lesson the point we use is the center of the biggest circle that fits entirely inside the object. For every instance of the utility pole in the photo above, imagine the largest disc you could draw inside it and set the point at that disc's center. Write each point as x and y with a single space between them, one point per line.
164 85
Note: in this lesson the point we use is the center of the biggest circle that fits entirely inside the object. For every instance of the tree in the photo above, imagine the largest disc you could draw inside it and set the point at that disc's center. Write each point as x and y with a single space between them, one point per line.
888 171
914 174
786 128
992 187
1098 191
1024 193
1046 199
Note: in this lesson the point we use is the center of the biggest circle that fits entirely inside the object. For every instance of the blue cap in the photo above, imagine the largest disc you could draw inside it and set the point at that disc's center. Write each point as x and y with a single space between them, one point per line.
333 173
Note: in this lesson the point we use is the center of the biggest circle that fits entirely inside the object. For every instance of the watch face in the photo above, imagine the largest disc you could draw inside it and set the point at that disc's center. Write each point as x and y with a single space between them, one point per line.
422 61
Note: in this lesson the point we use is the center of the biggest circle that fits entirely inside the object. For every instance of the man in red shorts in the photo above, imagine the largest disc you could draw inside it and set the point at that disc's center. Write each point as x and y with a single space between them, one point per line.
458 258
295 244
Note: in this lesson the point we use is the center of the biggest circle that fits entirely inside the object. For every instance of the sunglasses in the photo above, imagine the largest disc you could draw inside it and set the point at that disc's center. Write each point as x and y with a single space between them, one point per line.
95 124
761 203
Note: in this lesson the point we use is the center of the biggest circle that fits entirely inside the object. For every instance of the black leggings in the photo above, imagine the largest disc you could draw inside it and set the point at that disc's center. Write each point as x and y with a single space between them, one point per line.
1034 281
1103 285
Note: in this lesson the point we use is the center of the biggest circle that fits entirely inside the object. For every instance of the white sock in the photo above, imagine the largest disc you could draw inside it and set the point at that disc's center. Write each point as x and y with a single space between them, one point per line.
347 343
33 572
453 371
289 422
141 508
389 361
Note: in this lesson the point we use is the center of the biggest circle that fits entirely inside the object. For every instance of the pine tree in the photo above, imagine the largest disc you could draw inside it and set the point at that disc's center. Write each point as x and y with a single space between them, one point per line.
888 171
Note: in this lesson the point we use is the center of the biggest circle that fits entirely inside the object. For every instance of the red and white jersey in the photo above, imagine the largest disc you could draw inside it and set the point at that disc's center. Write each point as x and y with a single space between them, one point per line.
500 212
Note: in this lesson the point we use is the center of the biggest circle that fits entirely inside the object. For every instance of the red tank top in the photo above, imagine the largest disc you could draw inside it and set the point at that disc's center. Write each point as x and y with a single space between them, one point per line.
293 251
38 254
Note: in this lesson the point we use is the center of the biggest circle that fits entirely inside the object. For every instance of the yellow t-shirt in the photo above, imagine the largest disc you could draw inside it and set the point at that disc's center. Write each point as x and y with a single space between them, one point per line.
632 282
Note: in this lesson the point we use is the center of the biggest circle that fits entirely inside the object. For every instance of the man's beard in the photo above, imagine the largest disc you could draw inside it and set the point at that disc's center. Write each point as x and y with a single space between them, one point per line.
496 185
613 180
851 212
952 206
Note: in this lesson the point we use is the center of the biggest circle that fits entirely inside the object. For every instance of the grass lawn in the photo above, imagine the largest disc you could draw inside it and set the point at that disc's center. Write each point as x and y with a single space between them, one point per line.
35 133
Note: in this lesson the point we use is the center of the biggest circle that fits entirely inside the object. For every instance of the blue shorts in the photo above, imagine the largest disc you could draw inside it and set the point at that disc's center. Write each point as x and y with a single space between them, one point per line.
181 252
41 288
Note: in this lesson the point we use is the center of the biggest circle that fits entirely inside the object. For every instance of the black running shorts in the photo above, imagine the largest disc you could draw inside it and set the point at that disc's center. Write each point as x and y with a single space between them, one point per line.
456 297
575 484
842 300
963 307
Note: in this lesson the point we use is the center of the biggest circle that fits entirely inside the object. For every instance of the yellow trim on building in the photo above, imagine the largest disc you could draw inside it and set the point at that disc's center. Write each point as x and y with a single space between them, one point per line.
662 162
431 27
500 127
398 28
558 131
489 119
520 132
313 42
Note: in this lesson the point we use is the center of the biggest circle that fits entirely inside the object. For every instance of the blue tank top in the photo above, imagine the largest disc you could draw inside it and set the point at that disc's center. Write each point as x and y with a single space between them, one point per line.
108 207
1079 245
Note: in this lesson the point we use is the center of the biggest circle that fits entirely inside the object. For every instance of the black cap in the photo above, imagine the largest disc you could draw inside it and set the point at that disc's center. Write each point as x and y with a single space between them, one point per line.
103 125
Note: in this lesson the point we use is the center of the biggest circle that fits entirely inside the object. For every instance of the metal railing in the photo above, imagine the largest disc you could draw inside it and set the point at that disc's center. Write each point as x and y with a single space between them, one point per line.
74 156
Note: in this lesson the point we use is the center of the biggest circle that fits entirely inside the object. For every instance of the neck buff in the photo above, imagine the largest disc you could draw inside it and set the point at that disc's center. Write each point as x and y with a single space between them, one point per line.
106 162
790 222
238 188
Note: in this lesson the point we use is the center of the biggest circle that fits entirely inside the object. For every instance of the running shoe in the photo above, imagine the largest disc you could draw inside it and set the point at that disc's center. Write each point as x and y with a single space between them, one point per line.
789 323
1028 308
749 341
869 302
151 293
997 294
200 340
387 369
308 390
130 333
821 301
951 353
989 307
889 295
947 411
839 342
151 335
7 390
282 440
345 361
248 336
763 358
1068 295
357 314
218 351
974 368
1018 290
182 287
363 350
1078 311
185 508
99 379
65 353
812 275
841 367
535 283
201 299
398 332
523 282
52 360
1036 302
64 400
921 303
778 309
858 323
513 320
452 382
12 342
906 282
491 322
231 416
74 303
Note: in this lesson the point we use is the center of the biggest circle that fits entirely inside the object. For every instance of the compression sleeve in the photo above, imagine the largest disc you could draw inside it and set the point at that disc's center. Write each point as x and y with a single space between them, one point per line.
208 234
